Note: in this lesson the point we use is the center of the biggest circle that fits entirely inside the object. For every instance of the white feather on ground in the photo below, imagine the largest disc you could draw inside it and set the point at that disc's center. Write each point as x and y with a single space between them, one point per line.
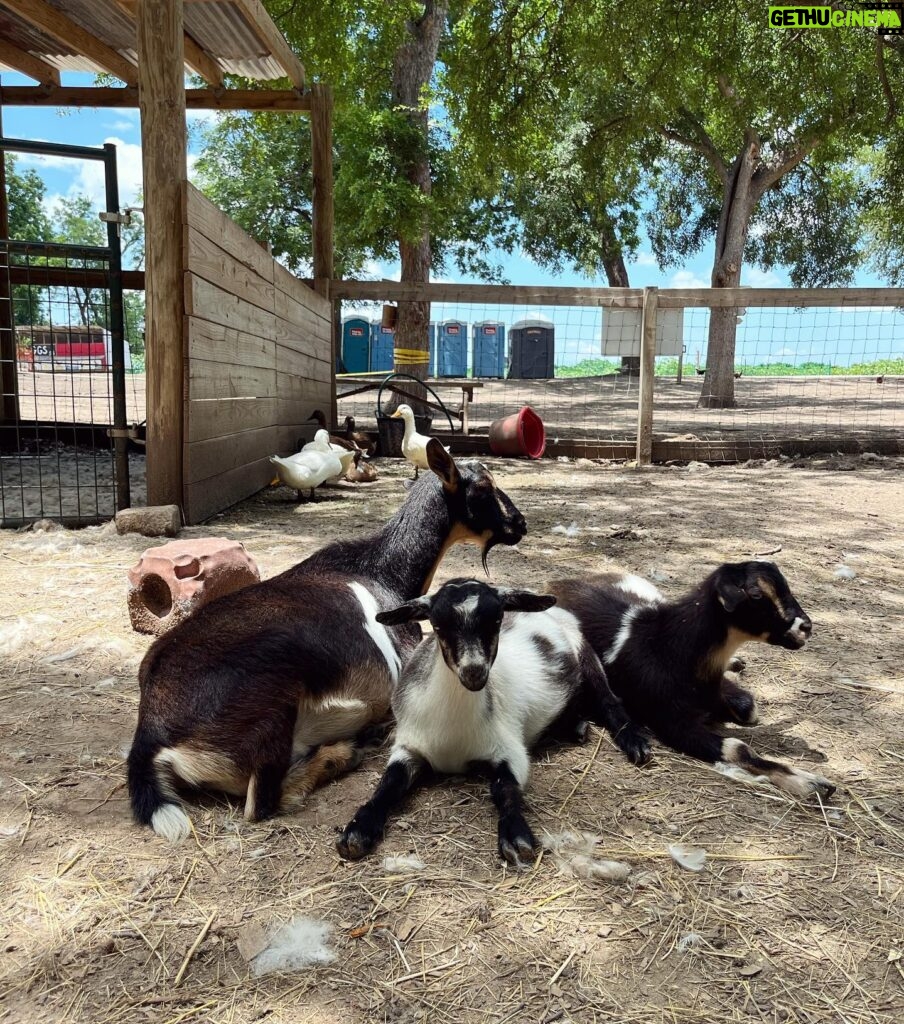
691 858
401 865
573 530
575 855
302 942
844 572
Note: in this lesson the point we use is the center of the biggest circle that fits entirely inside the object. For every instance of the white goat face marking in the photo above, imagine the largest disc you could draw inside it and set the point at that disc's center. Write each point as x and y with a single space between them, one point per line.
637 586
797 632
621 637
468 607
376 630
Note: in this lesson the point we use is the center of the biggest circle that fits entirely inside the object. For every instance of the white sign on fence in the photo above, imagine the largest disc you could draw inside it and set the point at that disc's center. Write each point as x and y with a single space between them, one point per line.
621 332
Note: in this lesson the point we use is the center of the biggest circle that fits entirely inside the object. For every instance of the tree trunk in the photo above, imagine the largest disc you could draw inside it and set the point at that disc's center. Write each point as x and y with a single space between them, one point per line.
617 276
731 237
411 72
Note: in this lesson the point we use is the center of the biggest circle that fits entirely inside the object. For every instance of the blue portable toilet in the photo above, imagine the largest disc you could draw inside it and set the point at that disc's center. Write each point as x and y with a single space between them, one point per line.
489 348
381 344
355 344
452 349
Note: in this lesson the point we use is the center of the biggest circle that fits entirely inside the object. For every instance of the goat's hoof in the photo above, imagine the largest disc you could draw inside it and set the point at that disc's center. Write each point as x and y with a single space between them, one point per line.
803 784
354 843
736 664
517 844
634 744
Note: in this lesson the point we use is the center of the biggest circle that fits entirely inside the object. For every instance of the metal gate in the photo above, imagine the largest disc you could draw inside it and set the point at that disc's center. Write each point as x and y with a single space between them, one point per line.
63 436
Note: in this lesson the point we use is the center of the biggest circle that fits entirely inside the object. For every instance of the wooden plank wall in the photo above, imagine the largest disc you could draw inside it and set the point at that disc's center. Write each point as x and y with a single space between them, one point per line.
257 360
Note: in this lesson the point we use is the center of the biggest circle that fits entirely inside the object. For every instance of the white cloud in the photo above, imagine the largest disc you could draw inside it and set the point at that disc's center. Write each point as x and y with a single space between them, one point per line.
121 126
687 279
757 278
644 259
783 353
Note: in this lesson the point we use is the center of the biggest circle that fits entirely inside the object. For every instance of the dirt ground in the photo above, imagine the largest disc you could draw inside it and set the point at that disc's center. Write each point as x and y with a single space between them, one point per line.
797 915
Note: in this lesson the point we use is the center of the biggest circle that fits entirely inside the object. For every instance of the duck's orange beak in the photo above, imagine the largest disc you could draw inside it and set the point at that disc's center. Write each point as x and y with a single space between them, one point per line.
396 415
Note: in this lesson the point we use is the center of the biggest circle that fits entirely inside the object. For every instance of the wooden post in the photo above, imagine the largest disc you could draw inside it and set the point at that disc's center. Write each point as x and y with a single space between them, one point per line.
161 84
322 216
9 404
322 166
647 370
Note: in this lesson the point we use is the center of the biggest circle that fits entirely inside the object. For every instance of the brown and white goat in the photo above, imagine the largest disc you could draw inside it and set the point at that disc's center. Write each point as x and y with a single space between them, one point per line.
669 661
259 693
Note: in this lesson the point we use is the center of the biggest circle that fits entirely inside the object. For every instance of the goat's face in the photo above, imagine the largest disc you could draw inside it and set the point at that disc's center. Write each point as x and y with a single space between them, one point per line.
482 513
760 604
466 616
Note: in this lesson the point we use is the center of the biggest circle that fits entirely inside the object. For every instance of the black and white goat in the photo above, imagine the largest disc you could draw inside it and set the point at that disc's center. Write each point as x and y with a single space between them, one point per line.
670 662
258 693
482 689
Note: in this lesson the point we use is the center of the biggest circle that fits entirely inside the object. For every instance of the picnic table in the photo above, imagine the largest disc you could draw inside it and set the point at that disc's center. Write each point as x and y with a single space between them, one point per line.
372 382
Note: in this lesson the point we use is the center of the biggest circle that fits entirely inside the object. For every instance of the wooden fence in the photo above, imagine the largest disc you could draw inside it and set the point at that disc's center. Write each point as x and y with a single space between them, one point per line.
258 360
874 410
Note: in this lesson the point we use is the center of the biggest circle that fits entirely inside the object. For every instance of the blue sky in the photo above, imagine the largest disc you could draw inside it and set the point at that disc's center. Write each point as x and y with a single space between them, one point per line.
764 335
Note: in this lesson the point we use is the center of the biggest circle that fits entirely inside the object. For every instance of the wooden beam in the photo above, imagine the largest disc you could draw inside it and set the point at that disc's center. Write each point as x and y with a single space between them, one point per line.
195 99
61 277
489 294
161 65
263 26
55 24
196 57
322 169
714 298
614 298
28 64
647 372
201 62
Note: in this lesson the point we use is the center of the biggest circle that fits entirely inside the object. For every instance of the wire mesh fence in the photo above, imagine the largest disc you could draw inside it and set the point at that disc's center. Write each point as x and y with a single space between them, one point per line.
57 455
807 377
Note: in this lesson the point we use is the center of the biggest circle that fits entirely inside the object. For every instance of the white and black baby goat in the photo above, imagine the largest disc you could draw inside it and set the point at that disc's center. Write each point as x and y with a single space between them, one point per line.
480 691
670 661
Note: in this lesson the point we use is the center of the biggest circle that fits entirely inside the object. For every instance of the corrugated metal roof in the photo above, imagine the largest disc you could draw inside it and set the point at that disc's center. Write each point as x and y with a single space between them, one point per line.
219 27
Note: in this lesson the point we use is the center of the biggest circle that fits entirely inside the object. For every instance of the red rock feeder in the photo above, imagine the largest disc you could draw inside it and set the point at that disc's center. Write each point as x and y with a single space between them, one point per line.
171 582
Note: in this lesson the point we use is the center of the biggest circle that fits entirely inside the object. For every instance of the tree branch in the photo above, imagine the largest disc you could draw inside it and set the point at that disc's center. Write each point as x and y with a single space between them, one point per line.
701 143
883 80
775 169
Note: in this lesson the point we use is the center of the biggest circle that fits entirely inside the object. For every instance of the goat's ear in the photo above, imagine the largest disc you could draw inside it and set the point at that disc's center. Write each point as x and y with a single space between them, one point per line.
410 611
730 595
526 601
442 463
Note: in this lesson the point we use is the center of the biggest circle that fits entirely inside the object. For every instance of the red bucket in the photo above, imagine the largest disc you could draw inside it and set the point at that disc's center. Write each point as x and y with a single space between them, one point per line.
522 433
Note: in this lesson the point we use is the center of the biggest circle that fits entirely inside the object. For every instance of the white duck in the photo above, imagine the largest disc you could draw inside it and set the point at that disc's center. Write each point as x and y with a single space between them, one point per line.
322 443
414 445
307 470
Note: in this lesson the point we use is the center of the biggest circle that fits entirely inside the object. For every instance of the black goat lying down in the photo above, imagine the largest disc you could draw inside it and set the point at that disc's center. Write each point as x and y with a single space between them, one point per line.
670 662
481 690
258 693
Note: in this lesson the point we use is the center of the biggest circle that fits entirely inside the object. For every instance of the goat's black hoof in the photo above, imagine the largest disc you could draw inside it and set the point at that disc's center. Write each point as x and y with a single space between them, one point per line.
736 664
356 842
517 844
741 708
634 743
